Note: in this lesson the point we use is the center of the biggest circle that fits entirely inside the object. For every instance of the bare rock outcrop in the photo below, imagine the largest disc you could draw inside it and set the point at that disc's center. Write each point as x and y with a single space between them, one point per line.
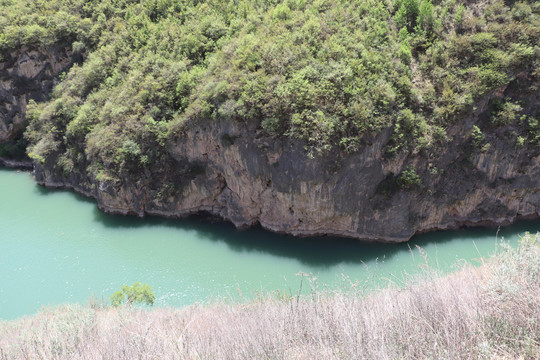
27 74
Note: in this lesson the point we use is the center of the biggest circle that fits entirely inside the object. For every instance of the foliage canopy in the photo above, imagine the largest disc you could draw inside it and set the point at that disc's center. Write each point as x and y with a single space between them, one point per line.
325 72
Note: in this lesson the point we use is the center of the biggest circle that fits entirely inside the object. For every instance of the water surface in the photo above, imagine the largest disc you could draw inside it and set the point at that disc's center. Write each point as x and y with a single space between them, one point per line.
56 247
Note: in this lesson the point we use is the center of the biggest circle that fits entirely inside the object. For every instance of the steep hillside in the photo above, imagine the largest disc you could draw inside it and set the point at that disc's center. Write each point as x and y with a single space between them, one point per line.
370 119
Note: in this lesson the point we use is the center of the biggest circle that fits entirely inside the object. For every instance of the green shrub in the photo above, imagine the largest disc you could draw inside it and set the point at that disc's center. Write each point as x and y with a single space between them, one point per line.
409 178
282 12
132 295
492 78
533 130
425 16
520 141
407 13
477 136
405 52
458 17
508 114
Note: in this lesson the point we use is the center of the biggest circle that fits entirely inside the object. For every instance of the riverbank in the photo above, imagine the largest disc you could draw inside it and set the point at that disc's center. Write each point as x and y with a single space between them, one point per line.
486 312
16 164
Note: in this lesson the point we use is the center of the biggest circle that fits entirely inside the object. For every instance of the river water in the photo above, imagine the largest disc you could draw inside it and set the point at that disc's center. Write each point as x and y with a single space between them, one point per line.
57 247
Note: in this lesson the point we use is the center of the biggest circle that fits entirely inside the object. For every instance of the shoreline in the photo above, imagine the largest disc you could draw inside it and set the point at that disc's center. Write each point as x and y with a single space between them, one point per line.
16 164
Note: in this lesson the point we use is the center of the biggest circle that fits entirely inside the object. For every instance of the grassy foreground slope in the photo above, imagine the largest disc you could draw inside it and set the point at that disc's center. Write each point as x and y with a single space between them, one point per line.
476 313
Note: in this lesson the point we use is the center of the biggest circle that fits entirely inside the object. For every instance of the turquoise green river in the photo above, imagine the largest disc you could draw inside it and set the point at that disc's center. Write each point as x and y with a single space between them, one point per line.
56 247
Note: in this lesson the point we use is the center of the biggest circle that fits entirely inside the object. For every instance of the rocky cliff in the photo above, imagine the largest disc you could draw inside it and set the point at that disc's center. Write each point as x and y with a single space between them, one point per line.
237 172
373 120
234 172
26 74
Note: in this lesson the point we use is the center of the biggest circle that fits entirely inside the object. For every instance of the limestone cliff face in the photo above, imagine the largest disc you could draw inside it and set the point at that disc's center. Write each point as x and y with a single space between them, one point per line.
231 171
26 74
237 173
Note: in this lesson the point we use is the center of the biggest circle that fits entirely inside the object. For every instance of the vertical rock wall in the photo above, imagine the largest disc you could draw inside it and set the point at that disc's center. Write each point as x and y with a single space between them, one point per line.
26 74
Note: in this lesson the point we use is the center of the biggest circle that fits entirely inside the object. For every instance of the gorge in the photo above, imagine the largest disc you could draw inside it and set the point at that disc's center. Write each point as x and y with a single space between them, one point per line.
285 179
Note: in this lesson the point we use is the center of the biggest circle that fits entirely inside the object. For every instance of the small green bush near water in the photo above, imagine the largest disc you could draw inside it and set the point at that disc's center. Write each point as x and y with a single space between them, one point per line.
135 294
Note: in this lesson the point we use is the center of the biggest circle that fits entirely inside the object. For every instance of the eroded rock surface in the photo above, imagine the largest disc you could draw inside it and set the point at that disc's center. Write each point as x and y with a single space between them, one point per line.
27 74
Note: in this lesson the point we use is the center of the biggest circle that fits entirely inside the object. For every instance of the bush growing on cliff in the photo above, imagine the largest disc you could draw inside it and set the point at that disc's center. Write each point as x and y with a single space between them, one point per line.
507 114
477 136
409 178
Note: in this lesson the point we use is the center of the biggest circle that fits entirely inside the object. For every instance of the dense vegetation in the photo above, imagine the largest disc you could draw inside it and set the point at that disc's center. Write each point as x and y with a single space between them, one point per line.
489 312
327 72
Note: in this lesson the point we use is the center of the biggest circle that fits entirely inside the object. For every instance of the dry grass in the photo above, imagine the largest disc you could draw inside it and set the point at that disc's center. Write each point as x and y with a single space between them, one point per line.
477 313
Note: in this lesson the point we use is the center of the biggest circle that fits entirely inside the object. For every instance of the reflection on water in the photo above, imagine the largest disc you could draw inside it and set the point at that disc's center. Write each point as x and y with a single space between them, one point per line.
55 247
319 252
